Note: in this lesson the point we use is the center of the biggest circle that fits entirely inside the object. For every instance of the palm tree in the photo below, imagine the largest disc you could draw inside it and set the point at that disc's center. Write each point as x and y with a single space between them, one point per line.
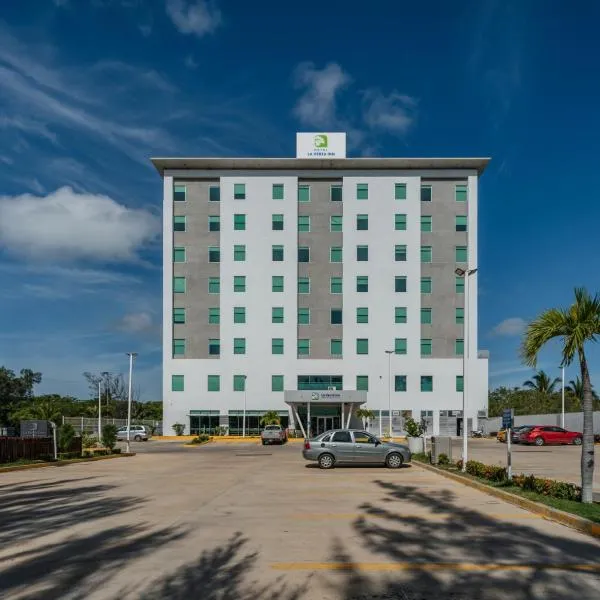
365 414
576 388
542 383
576 325
271 417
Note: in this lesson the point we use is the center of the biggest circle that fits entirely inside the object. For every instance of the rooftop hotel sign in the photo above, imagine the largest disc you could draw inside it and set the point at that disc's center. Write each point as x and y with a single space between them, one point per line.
320 145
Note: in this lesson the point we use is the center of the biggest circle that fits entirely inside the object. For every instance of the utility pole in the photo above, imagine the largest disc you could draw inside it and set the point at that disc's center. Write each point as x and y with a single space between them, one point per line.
389 353
132 356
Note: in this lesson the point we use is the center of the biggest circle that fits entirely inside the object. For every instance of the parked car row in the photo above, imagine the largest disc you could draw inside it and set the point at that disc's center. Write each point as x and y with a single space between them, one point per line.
540 435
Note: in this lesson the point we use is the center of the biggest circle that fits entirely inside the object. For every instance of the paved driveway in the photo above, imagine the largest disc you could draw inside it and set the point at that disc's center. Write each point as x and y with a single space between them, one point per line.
244 522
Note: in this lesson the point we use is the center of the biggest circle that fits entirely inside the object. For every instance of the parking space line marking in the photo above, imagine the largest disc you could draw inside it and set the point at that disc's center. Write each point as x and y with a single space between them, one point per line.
428 566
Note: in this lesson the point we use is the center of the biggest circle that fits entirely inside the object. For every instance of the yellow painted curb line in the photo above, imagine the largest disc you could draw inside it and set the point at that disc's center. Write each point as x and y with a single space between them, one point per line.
552 514
64 463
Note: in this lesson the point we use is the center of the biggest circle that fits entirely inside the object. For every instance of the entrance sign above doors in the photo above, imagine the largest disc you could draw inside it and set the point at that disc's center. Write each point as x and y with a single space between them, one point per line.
325 396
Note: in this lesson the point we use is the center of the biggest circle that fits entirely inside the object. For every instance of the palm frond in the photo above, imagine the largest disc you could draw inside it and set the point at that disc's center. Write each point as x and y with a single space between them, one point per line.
550 324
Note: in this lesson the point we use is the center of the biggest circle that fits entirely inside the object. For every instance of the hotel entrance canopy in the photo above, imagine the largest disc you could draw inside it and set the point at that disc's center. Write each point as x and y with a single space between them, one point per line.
347 401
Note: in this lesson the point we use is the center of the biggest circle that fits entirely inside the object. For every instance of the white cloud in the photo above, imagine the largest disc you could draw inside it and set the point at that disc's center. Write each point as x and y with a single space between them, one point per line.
317 105
394 113
28 126
510 327
7 160
138 322
198 17
66 225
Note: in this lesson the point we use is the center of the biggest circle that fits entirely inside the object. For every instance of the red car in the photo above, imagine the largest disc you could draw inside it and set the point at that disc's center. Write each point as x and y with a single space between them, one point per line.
549 434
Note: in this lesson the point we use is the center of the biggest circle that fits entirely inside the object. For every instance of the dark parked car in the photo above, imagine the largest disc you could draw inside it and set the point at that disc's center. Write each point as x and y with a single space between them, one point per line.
342 446
549 434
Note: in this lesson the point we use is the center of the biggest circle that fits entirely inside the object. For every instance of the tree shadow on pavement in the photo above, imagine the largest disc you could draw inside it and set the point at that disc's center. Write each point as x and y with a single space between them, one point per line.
222 573
458 553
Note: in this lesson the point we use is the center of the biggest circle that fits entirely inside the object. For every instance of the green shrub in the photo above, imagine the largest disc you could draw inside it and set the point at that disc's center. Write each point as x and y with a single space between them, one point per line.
412 428
422 457
66 435
179 428
109 436
116 451
88 440
443 459
201 439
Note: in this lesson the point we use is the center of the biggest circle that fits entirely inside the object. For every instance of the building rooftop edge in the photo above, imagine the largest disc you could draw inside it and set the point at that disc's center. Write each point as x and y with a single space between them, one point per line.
163 163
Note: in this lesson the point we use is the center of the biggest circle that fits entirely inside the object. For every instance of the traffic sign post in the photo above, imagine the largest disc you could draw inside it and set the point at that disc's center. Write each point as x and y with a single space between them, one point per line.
508 417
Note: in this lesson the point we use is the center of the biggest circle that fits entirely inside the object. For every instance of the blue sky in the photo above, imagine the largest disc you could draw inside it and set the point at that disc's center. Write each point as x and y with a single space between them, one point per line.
90 89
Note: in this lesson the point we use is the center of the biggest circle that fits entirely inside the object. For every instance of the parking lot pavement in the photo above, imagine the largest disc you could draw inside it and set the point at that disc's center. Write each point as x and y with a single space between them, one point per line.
222 522
554 462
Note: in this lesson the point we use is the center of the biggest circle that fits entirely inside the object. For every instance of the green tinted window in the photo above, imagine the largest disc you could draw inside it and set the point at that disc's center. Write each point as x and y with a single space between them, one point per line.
214 193
304 193
239 345
425 347
239 222
362 191
239 314
303 285
425 193
335 347
278 191
362 346
426 316
362 314
459 316
400 346
239 283
304 316
239 383
400 222
303 347
277 253
277 283
178 347
303 223
214 254
214 347
277 314
277 222
399 383
461 254
277 346
459 383
335 254
214 223
179 223
459 347
214 285
460 223
426 383
400 314
400 252
214 315
239 252
303 254
336 193
335 285
362 253
362 383
214 383
362 283
277 383
400 283
426 223
460 193
179 315
460 285
362 222
179 193
179 285
336 316
425 285
400 191
426 254
177 383
335 222
179 255
239 191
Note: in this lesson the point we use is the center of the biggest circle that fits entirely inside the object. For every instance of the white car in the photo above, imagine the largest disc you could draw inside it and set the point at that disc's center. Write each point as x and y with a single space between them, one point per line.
138 433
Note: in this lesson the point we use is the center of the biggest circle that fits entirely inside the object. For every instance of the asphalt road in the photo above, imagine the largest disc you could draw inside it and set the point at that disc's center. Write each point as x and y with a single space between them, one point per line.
239 521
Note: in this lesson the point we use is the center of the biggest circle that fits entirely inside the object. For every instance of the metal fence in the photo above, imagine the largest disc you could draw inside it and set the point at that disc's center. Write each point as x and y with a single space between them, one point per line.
573 421
90 424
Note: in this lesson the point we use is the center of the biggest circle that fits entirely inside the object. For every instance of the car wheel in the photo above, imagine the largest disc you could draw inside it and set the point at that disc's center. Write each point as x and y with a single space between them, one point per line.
138 438
393 461
539 441
326 461
577 441
264 443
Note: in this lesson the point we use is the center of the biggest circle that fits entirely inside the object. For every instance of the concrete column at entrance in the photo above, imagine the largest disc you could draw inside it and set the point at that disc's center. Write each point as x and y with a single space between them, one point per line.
350 409
291 420
436 422
343 413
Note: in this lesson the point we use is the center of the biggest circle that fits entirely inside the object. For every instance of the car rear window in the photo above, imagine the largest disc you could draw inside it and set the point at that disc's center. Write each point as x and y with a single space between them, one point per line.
272 427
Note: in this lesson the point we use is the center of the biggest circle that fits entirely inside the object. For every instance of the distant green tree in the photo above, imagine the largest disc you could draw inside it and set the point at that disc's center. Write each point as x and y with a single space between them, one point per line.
364 414
109 436
542 383
66 435
576 388
271 417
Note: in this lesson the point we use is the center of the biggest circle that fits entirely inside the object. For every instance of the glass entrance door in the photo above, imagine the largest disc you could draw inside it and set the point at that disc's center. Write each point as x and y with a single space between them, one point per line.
322 424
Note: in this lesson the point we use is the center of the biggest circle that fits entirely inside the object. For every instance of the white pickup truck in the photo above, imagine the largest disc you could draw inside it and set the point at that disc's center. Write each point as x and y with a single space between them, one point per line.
273 434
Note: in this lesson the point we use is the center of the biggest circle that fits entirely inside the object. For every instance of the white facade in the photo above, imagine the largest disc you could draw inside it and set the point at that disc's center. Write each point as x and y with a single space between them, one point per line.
259 364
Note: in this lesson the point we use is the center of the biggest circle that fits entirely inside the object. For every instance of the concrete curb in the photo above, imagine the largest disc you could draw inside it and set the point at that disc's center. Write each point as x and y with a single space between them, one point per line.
552 514
63 463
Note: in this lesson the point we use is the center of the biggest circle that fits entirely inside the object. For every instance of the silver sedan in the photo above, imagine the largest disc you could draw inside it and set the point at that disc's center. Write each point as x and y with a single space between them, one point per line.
343 446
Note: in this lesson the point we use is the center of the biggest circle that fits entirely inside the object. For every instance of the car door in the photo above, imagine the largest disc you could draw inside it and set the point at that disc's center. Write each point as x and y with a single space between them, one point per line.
561 436
342 446
367 449
550 435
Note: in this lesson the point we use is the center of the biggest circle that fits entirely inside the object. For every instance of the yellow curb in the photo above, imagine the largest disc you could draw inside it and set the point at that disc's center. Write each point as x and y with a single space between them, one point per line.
431 566
552 514
64 463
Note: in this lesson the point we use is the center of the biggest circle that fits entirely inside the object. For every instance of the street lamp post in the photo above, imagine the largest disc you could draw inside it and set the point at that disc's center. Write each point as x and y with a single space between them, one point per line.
132 356
465 273
562 414
99 411
389 353
244 413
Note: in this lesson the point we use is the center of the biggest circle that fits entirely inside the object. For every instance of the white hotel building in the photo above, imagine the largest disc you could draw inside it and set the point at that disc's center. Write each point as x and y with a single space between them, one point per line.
317 284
